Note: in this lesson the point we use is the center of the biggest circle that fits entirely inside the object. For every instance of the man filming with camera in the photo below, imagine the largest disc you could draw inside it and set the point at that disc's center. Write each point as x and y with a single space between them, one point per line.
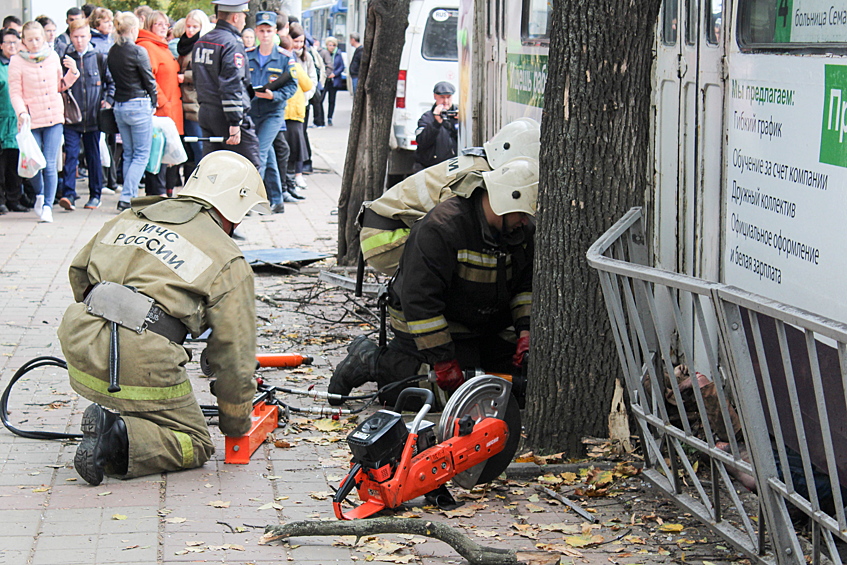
438 129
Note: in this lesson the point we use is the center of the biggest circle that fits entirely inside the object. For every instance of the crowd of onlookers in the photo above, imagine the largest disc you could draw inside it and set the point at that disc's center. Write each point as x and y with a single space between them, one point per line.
88 96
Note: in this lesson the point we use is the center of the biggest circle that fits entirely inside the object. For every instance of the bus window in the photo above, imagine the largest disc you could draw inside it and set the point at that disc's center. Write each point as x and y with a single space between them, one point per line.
439 38
536 19
670 14
714 22
691 22
787 24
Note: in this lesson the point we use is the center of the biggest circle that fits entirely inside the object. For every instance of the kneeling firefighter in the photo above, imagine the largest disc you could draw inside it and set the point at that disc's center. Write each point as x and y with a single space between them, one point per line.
156 272
462 294
386 221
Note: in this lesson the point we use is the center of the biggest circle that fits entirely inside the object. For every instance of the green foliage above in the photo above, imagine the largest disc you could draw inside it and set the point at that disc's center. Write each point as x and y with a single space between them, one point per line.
179 8
176 9
129 5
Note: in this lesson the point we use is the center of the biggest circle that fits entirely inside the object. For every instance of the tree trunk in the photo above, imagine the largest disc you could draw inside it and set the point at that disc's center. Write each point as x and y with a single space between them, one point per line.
370 124
595 137
261 6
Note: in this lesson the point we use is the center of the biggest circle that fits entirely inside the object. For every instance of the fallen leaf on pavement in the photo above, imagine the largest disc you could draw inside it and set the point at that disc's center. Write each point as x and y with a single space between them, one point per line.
270 505
526 530
327 425
568 477
634 539
219 503
561 527
175 520
466 511
118 517
671 527
107 493
550 479
534 508
559 548
282 444
394 558
583 540
196 543
320 495
41 489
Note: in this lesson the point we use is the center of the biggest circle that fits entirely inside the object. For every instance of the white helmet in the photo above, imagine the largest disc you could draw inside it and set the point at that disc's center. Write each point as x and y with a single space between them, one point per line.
229 182
521 138
513 187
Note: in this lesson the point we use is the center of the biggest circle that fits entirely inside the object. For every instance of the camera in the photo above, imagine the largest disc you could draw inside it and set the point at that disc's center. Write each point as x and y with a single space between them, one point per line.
449 113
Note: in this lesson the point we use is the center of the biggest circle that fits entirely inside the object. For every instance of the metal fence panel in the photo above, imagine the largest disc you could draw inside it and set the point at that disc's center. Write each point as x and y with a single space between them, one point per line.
726 384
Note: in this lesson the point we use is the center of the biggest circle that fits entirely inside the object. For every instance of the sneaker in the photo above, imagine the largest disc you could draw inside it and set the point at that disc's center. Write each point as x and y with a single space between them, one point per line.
39 205
294 194
278 208
286 197
329 122
107 191
67 203
47 214
300 181
92 204
123 206
3 209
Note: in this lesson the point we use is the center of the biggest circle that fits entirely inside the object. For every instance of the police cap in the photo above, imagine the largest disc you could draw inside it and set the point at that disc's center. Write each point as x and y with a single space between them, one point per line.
266 18
444 87
232 6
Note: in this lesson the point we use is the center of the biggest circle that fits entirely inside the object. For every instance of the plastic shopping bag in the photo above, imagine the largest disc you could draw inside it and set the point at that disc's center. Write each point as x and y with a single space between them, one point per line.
157 149
174 153
30 158
105 156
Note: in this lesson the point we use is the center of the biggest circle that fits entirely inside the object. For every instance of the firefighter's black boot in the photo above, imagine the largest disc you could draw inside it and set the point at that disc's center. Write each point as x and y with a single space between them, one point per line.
355 370
104 447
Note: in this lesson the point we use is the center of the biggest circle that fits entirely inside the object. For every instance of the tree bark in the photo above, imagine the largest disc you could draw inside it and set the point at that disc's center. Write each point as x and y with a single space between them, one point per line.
465 546
595 144
370 123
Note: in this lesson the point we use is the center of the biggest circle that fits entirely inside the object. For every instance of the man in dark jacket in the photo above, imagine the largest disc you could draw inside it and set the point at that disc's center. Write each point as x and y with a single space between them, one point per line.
222 79
93 90
355 61
465 278
437 135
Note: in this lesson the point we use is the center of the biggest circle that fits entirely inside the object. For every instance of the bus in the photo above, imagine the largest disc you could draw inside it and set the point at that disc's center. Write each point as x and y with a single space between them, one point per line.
327 18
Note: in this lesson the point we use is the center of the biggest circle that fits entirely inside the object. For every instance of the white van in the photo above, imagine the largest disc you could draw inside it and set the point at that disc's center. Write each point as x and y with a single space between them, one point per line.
430 55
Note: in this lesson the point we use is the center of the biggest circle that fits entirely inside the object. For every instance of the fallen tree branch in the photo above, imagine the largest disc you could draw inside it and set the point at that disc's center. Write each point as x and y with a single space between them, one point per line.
465 546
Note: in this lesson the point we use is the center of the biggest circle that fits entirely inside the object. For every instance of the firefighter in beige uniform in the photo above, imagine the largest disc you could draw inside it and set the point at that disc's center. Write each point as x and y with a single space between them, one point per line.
387 221
162 269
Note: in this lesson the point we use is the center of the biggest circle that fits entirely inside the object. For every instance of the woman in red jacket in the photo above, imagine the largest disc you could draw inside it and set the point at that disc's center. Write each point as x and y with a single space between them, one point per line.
165 70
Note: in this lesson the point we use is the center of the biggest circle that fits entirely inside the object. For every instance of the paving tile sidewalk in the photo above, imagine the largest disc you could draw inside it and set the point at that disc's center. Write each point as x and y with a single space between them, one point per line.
216 513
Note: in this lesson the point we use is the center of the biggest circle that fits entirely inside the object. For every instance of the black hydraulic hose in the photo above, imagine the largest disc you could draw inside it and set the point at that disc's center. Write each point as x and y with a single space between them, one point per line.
30 365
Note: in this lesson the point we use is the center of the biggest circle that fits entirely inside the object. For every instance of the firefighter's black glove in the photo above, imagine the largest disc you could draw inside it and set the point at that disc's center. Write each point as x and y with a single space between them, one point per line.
449 375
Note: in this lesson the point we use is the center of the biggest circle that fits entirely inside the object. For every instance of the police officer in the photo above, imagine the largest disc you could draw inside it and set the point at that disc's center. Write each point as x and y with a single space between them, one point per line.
223 83
462 294
154 273
437 135
387 220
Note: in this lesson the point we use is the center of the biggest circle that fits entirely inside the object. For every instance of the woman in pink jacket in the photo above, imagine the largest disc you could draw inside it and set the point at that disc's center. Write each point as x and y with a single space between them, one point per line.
35 81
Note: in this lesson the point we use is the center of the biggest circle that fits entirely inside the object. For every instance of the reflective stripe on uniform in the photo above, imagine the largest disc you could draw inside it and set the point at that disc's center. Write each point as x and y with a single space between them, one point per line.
187 448
428 325
521 305
384 238
476 259
488 276
129 392
398 322
433 340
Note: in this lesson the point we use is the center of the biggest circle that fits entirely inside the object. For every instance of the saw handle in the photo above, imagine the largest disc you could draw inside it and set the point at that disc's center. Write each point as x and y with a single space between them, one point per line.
425 394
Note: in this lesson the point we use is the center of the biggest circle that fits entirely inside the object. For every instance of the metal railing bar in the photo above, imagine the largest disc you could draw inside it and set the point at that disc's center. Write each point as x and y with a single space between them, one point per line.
833 329
711 354
695 480
665 348
645 351
826 431
736 500
776 424
602 244
803 504
648 423
832 549
799 426
616 315
723 528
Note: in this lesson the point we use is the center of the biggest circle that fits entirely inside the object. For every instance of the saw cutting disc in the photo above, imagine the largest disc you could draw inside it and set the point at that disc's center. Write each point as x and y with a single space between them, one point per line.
481 397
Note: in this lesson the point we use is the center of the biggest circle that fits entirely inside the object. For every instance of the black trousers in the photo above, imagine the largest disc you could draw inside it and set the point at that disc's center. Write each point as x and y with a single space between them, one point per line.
317 103
401 358
10 182
213 122
329 92
154 185
283 152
